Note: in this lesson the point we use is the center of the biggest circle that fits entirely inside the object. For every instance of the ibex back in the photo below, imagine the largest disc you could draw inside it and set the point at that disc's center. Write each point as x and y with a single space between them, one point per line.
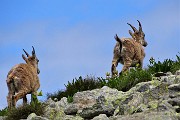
23 79
129 51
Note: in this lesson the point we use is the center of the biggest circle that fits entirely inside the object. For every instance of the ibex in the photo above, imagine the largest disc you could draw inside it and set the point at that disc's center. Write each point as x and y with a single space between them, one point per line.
129 51
23 79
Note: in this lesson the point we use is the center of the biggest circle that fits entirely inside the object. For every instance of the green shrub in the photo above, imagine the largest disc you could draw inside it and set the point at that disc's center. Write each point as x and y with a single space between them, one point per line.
176 65
77 85
127 80
70 99
58 94
3 112
165 66
22 112
124 82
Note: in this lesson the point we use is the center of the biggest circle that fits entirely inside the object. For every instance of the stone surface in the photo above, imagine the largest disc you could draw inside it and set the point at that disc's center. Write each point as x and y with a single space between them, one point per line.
158 99
55 110
148 116
2 117
177 72
101 117
33 116
70 117
89 104
71 109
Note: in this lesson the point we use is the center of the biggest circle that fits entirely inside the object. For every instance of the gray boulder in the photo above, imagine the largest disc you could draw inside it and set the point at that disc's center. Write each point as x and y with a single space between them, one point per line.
148 116
2 117
89 104
33 116
101 117
55 110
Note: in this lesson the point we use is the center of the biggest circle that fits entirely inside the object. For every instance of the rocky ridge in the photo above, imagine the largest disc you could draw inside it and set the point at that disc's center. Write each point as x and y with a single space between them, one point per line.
158 99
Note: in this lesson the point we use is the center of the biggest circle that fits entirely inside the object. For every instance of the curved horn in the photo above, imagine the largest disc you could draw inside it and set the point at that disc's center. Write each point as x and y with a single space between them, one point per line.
130 32
117 38
33 52
140 27
134 29
26 53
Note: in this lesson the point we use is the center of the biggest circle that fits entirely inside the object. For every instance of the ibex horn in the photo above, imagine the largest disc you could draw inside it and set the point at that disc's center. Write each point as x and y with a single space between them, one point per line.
117 38
140 27
26 53
33 52
134 29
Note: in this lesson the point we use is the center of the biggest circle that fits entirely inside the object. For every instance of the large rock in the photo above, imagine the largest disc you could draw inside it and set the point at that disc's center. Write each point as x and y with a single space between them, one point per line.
33 116
89 104
101 117
2 117
158 99
71 117
147 97
148 116
55 110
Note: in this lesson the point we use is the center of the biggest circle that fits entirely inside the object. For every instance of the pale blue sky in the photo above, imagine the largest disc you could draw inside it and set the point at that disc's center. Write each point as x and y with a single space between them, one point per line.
75 38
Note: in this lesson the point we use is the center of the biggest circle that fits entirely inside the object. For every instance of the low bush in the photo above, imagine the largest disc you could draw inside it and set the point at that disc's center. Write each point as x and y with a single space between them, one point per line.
77 85
165 66
127 80
123 82
22 112
4 112
176 65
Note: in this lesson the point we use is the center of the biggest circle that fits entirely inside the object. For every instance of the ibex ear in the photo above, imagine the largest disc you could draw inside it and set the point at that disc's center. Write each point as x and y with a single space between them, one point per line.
24 57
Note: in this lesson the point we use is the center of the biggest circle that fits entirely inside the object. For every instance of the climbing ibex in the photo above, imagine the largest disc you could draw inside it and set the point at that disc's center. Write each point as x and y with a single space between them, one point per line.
23 79
129 51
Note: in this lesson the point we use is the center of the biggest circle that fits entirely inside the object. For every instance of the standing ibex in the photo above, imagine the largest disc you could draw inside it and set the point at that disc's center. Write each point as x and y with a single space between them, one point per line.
23 79
129 51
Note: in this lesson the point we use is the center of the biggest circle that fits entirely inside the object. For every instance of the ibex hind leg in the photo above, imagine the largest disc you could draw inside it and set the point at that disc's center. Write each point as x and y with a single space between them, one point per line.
21 94
113 70
10 95
114 65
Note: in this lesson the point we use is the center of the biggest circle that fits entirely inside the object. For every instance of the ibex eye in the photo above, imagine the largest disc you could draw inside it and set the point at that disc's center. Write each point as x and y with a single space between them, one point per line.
37 60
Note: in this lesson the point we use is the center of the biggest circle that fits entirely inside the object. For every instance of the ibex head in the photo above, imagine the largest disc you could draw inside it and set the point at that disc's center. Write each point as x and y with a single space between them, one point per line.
31 60
138 35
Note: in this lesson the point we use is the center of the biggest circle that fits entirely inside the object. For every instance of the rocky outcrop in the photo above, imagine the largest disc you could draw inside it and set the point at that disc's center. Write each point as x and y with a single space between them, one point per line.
158 99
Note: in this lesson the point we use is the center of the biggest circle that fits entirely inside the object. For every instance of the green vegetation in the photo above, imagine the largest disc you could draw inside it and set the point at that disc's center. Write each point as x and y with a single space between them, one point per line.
22 112
4 112
165 66
77 85
127 80
122 83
